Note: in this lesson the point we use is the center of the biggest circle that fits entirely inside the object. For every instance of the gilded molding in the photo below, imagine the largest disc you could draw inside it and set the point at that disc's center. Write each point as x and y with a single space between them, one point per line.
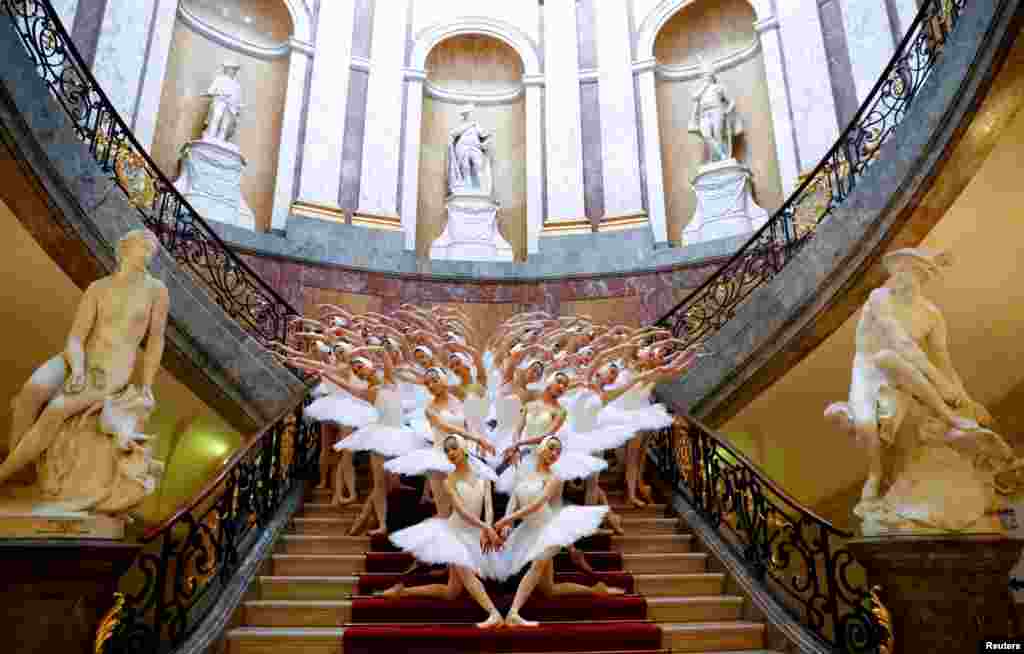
321 211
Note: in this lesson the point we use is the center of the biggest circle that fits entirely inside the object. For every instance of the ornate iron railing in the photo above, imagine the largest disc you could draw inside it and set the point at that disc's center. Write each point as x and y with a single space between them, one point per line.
185 235
189 560
703 312
796 554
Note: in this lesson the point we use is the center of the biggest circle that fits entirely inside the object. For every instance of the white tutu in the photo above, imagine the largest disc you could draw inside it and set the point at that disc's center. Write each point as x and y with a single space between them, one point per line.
382 439
526 466
648 418
583 432
343 409
326 387
576 465
482 470
420 461
541 537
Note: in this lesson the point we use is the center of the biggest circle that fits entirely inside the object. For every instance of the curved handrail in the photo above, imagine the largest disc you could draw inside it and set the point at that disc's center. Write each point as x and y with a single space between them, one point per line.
192 556
195 246
708 307
812 574
190 505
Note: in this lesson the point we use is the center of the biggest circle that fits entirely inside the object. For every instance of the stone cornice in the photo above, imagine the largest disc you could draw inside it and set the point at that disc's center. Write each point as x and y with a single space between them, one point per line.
241 46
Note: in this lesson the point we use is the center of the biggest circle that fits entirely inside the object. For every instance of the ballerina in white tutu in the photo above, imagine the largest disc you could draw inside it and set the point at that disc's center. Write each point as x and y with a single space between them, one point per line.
630 403
546 527
462 541
445 416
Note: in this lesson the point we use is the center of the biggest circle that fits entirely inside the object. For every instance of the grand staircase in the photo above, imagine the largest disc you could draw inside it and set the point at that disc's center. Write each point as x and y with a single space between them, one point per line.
315 595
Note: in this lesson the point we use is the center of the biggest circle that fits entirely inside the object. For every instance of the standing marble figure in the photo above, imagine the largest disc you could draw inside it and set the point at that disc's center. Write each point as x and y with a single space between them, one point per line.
469 164
714 117
225 95
116 313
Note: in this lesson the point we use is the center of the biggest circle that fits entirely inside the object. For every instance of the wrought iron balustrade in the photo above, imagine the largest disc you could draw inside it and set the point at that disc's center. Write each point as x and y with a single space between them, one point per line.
183 233
796 554
703 312
190 558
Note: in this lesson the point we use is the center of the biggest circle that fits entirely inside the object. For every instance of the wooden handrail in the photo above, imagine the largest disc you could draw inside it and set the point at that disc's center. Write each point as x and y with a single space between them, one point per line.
207 490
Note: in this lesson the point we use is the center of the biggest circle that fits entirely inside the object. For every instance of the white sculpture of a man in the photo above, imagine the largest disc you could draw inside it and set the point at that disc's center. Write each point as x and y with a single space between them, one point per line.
115 314
469 166
902 367
714 117
225 95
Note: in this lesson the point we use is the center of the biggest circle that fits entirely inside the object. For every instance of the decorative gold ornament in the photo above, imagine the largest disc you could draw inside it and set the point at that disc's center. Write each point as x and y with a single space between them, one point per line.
135 178
108 624
884 619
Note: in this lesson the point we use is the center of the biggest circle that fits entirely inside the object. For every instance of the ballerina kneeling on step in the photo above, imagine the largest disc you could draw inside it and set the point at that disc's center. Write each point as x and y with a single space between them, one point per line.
463 541
547 526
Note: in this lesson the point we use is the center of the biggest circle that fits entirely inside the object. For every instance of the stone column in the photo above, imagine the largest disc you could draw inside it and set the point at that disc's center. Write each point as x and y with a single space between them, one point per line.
945 593
808 81
562 114
378 184
623 195
328 99
411 153
288 150
534 163
778 98
154 71
869 41
652 151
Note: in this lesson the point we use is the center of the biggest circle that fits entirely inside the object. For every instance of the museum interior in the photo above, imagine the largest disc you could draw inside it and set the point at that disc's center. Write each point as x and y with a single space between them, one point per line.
458 326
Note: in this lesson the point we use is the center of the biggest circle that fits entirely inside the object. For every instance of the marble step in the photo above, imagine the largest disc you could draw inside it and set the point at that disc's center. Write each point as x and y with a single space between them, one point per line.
343 586
652 543
327 510
336 613
665 563
630 511
732 637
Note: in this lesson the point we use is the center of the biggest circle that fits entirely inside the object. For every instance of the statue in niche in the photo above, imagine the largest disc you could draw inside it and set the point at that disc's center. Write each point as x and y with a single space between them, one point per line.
714 117
469 152
77 417
225 95
924 434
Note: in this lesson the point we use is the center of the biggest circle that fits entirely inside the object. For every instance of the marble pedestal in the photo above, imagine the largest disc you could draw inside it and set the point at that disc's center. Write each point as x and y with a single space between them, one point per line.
471 233
211 180
945 593
725 203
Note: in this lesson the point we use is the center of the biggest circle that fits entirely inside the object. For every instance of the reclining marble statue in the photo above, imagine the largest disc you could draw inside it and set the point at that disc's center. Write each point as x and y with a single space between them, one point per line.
935 464
77 418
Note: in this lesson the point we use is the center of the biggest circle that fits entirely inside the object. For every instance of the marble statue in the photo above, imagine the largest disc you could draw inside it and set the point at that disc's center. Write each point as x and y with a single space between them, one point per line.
469 164
77 417
933 460
714 118
212 166
225 95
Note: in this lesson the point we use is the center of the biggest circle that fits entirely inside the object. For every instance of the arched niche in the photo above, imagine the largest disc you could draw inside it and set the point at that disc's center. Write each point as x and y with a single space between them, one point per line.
257 34
487 72
720 32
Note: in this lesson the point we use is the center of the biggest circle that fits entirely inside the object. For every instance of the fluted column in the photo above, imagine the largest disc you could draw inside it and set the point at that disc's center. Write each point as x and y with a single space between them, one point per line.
778 97
288 150
155 71
623 195
652 150
564 139
328 99
534 163
411 153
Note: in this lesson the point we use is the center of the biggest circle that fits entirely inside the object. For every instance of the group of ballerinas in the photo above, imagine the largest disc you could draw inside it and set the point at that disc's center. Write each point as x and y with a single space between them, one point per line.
533 407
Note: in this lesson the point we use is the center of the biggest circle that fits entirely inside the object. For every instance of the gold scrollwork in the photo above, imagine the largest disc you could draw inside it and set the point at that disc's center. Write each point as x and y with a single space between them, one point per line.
108 624
884 619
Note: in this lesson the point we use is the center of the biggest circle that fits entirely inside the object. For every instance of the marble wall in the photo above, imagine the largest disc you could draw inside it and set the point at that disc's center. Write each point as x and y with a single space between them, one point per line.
121 52
636 299
523 16
473 64
713 31
193 62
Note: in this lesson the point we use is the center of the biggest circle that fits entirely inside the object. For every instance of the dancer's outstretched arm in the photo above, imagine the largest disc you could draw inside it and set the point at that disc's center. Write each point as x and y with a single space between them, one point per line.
435 421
